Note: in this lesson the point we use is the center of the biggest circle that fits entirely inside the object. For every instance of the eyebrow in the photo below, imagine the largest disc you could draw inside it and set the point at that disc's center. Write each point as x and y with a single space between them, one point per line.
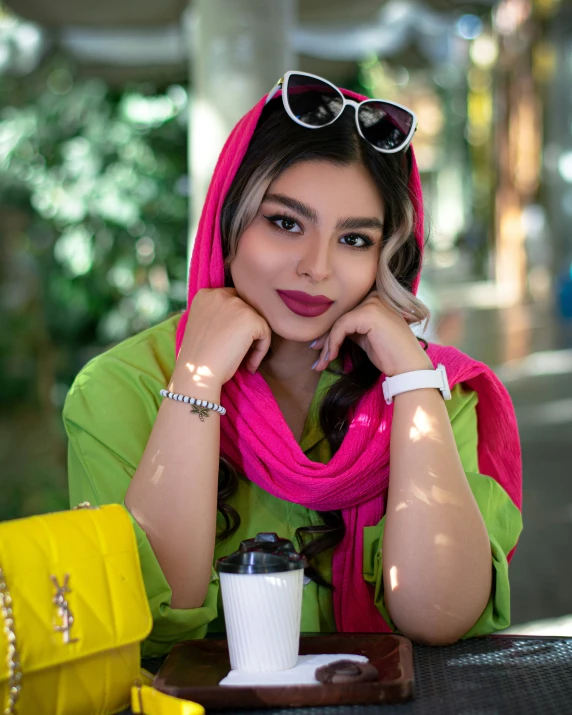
344 224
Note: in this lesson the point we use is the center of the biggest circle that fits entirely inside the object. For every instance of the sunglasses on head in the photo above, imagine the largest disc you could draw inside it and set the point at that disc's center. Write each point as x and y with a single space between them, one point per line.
313 102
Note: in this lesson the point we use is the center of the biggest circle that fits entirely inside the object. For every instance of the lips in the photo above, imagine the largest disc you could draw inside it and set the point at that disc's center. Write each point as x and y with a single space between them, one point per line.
306 298
304 304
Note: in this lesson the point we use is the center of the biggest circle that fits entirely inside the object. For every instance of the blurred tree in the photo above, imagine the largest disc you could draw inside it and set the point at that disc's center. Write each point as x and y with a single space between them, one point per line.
93 235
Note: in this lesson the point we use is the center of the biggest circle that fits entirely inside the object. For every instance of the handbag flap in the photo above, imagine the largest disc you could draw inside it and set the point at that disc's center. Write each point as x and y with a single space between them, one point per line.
75 583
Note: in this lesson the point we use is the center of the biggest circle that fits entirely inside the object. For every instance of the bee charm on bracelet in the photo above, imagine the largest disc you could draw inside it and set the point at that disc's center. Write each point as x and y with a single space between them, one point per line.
202 412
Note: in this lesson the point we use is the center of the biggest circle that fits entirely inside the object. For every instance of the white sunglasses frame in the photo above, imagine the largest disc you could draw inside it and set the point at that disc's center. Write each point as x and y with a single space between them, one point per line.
283 84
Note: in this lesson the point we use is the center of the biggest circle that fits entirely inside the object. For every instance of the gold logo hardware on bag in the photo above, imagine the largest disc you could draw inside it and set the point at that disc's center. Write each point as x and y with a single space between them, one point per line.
64 611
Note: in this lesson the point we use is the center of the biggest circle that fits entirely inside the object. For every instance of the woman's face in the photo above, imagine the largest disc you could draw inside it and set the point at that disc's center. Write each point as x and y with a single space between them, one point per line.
318 232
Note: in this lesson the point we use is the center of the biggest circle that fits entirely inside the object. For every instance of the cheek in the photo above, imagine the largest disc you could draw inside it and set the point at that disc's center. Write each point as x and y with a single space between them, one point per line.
255 260
357 276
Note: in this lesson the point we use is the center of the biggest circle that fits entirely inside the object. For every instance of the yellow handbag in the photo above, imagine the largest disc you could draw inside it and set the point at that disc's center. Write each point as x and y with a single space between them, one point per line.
73 612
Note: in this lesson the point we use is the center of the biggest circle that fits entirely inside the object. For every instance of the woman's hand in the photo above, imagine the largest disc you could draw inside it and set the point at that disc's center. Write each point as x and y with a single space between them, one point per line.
384 335
221 330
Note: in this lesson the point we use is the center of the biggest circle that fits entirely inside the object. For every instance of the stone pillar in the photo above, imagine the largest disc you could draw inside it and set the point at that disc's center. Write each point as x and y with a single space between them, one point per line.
558 154
518 119
239 49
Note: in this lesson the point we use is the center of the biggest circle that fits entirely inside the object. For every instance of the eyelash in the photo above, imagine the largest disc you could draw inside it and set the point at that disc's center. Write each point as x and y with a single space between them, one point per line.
368 243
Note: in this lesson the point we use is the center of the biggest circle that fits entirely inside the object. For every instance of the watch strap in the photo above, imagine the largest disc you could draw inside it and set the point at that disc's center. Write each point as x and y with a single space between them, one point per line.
417 380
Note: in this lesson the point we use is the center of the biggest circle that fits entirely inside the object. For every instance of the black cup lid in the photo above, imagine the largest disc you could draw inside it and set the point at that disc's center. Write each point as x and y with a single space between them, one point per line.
266 553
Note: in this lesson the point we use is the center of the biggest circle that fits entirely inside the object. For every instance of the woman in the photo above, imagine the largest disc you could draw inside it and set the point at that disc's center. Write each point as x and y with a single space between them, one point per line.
301 296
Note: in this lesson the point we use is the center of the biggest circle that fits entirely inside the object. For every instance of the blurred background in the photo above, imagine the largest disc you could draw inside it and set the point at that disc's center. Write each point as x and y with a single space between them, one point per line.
111 118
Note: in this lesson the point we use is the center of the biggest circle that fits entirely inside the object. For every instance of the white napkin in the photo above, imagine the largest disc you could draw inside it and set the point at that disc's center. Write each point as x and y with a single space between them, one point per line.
301 674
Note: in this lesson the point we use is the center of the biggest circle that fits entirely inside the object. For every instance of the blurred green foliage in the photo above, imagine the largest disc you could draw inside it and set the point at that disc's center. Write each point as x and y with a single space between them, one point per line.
93 238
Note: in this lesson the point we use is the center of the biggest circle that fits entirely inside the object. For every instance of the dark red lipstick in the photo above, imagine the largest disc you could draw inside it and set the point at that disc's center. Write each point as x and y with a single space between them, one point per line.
304 304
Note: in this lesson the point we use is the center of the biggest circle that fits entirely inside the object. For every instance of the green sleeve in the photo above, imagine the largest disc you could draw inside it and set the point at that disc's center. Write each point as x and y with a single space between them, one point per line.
502 519
103 450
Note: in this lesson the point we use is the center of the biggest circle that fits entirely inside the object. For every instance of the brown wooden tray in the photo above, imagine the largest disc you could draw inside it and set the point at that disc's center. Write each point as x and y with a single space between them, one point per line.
194 669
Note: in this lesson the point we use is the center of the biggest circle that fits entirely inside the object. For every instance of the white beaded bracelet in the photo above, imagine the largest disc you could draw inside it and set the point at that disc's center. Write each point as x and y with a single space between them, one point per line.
200 407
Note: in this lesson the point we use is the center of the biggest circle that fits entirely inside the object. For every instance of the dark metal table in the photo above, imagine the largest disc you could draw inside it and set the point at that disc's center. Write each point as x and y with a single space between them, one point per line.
494 675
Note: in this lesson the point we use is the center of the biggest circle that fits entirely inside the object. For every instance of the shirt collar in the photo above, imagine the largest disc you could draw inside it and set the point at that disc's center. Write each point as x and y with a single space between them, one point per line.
312 434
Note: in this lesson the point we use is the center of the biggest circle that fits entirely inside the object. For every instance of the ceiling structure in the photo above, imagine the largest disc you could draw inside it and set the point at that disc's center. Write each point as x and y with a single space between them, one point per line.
122 40
103 13
140 13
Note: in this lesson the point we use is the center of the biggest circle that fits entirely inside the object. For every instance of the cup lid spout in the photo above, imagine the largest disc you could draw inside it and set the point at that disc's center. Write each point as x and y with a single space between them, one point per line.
265 553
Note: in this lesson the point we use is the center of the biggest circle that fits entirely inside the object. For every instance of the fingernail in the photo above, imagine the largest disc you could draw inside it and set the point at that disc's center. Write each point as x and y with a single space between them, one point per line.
313 343
327 356
314 365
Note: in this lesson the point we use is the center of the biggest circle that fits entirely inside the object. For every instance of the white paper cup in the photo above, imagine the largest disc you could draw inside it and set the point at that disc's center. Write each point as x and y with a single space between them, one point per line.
262 614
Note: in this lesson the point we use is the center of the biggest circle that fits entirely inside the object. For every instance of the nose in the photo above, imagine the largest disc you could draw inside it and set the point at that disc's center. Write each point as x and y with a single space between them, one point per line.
316 260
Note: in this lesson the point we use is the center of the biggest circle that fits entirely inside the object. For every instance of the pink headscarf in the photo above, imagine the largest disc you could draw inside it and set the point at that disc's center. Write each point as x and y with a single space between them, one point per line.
256 439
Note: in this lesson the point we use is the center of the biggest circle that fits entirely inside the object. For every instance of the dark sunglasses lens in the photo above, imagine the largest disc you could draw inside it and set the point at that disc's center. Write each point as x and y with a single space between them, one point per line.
312 101
383 125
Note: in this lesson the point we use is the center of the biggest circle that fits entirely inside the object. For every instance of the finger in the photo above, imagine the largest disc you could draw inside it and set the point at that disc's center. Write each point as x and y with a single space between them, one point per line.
246 363
338 333
322 361
260 347
318 343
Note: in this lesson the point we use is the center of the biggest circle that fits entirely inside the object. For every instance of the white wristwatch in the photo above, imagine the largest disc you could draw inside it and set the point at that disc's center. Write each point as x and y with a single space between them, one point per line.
416 380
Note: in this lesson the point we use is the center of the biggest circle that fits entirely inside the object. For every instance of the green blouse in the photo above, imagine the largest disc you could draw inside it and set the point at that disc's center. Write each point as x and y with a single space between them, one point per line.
108 416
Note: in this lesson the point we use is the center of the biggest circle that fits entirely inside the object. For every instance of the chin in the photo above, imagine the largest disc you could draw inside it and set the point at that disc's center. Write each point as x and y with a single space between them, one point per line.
295 329
296 335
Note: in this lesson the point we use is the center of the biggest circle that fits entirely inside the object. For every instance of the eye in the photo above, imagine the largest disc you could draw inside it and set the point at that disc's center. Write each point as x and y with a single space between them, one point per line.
284 223
356 241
